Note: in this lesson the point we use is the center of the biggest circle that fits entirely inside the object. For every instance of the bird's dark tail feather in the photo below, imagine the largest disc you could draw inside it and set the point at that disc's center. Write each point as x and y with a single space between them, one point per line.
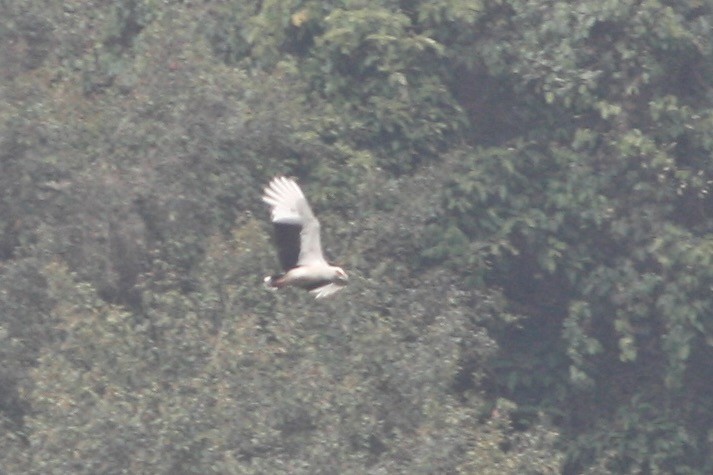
270 280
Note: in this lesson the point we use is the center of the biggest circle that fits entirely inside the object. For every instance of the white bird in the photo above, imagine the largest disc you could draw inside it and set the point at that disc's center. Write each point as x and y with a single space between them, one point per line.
298 245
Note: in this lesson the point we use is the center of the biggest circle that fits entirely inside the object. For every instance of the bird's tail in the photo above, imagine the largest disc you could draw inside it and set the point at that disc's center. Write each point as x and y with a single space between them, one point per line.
270 281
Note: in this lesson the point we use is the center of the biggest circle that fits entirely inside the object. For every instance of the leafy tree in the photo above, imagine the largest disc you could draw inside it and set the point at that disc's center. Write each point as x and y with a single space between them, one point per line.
520 190
573 225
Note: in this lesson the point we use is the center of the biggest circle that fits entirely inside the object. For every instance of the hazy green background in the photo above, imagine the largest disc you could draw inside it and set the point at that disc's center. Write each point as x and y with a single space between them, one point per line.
519 189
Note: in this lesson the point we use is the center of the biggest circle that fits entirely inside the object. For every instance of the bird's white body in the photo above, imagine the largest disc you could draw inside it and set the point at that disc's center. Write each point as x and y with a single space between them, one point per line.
298 242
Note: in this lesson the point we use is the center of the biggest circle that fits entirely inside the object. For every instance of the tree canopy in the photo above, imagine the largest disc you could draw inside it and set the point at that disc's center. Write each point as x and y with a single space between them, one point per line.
520 191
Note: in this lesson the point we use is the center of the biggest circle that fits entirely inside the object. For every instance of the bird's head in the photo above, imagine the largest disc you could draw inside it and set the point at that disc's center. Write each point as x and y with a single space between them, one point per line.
340 277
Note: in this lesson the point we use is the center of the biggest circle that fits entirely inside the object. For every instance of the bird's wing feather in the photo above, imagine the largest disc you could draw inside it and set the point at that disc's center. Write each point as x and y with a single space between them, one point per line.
287 239
325 290
289 207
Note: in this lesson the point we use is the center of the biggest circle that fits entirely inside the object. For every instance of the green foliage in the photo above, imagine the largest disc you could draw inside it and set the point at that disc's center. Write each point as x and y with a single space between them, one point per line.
521 193
163 386
648 441
388 81
379 85
526 452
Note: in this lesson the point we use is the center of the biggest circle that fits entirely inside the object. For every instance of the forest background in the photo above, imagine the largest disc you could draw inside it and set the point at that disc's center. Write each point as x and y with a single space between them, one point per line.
519 189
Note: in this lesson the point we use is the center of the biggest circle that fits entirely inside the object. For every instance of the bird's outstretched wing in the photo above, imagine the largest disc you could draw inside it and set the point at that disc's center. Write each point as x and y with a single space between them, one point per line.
325 290
296 227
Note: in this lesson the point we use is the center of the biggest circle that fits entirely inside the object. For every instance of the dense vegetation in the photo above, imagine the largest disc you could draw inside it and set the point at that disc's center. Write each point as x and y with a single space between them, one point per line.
521 191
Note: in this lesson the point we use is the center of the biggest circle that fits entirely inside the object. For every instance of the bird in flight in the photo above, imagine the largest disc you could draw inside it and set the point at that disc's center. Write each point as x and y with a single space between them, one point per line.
296 232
